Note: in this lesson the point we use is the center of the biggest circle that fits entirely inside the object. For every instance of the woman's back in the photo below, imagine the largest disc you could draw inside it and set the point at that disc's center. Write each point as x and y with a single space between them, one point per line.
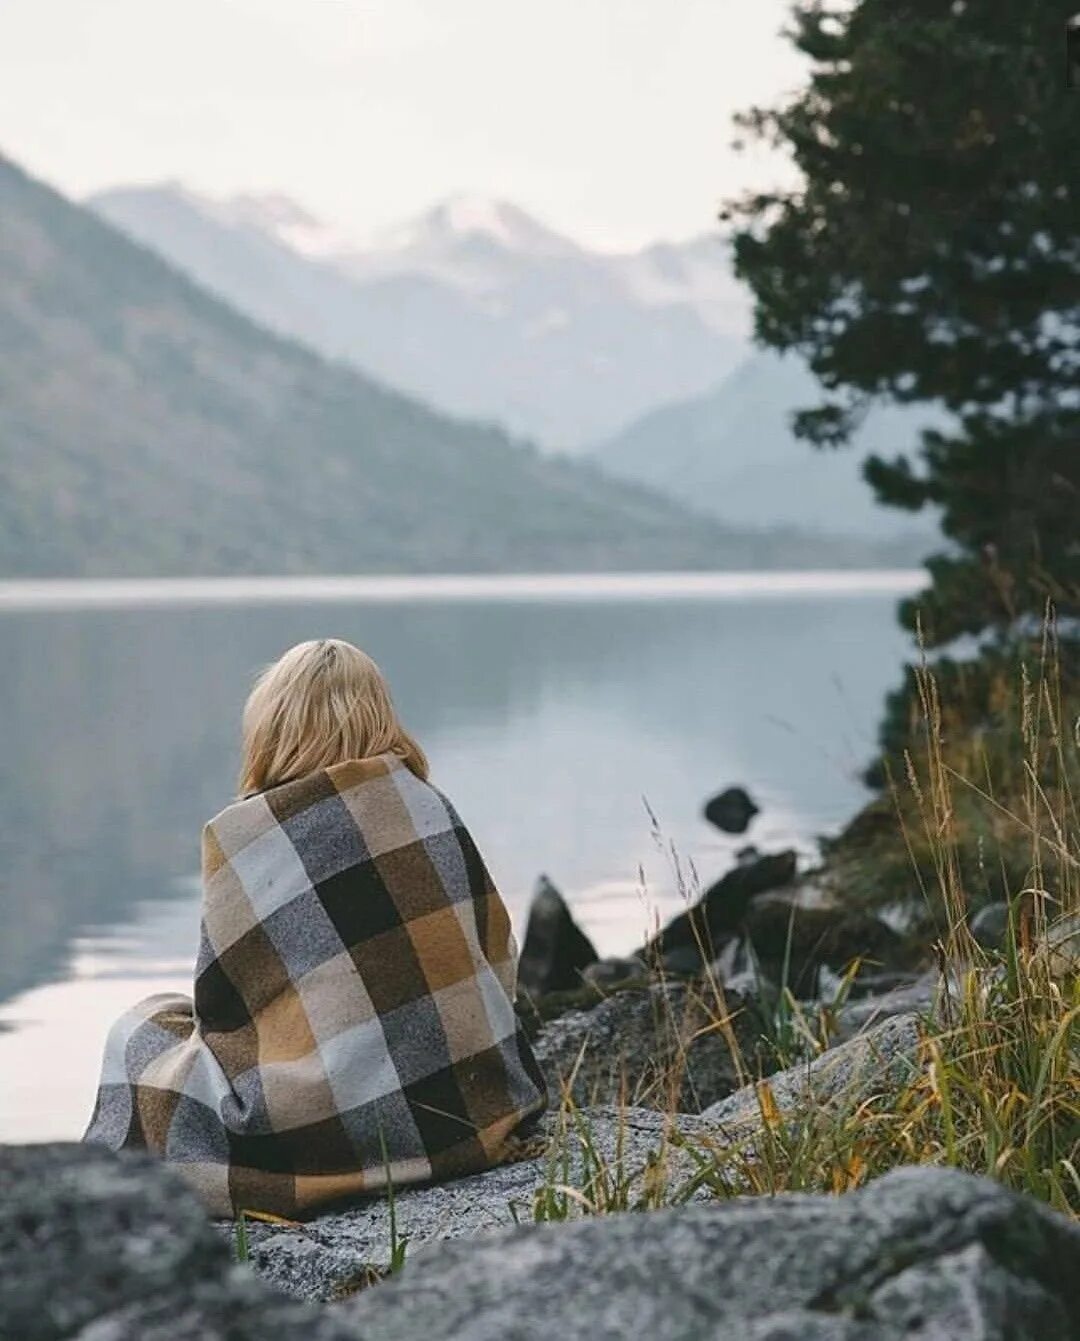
353 1011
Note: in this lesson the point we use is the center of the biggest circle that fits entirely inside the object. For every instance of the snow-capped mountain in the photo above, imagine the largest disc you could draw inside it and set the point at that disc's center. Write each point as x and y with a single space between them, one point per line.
475 305
438 236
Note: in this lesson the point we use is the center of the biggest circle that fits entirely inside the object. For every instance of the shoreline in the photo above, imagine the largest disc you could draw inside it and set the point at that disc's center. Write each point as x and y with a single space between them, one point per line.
54 594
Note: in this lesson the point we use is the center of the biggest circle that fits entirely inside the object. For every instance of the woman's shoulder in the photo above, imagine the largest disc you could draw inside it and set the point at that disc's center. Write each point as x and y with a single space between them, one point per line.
356 772
377 791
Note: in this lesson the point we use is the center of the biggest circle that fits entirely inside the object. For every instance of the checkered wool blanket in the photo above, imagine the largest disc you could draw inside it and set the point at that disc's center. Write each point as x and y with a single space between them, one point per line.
353 1016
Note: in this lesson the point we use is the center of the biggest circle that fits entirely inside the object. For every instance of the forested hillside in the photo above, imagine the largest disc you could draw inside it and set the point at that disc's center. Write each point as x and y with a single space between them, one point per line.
146 428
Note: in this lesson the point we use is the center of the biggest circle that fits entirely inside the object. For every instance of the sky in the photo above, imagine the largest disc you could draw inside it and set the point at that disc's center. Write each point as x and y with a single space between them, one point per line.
608 119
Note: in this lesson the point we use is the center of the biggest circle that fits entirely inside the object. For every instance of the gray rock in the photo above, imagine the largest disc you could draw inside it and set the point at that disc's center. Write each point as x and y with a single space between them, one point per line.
650 1046
1058 940
238 1308
1063 946
325 1258
748 983
685 961
920 1255
791 940
609 972
556 951
116 1248
847 1075
921 996
990 924
698 934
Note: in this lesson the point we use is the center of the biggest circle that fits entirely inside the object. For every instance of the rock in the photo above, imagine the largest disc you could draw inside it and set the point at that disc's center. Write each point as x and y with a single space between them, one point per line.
920 996
990 925
685 961
732 961
919 1255
802 938
116 1248
732 810
749 983
719 914
241 1308
655 1046
609 972
884 1057
871 982
556 950
324 1258
1063 946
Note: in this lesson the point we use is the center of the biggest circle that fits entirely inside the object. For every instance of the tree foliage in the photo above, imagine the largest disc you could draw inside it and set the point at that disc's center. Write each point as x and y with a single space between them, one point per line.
931 253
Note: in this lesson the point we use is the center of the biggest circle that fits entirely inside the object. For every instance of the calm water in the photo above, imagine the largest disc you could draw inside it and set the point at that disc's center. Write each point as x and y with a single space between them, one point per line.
552 711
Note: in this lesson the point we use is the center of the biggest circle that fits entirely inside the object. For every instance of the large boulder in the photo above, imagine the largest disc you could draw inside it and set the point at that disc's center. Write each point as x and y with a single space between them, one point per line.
845 1077
556 951
731 810
116 1248
695 937
665 1046
920 1255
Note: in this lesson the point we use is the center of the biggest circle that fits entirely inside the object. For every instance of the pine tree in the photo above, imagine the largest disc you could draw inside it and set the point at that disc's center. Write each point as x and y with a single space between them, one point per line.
931 254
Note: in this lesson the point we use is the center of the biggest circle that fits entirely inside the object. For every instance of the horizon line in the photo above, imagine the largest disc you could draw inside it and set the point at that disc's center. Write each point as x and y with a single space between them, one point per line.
47 594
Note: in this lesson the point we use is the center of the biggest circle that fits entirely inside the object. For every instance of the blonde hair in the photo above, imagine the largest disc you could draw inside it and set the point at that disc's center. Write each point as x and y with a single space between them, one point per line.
320 704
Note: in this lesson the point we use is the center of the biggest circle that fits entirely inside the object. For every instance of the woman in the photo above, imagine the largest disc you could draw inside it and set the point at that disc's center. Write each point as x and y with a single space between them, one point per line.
353 1018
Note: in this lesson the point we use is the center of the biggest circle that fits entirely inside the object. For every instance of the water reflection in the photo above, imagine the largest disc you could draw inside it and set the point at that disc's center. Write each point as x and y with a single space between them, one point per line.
547 722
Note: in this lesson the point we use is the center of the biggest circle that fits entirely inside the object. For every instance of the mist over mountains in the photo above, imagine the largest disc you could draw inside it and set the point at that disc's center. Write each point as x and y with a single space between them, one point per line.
733 454
146 428
642 361
475 306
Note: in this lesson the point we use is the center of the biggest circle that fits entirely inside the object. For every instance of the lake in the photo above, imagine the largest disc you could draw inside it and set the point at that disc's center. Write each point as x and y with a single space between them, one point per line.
579 724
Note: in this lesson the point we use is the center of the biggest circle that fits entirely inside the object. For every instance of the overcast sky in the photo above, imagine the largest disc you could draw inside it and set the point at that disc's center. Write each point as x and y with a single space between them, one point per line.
610 119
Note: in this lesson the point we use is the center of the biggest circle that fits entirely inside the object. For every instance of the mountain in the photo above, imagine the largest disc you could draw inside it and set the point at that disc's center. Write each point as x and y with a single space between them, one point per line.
733 453
475 306
147 428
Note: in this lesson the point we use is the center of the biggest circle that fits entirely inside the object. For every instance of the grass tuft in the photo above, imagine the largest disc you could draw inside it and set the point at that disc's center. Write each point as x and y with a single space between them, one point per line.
995 1087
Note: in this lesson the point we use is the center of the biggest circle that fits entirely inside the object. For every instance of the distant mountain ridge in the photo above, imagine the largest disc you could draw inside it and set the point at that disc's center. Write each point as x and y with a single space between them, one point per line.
732 453
475 306
148 429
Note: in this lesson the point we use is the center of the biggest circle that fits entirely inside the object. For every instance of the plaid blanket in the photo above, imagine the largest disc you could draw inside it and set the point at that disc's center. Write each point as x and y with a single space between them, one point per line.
352 1019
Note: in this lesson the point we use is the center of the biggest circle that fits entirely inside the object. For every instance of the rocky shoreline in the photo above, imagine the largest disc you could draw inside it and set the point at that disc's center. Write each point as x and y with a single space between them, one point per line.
101 1247
664 1067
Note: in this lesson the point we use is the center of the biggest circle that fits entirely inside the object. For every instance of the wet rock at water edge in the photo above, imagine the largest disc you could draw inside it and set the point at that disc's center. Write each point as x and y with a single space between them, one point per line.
556 951
697 936
792 943
731 810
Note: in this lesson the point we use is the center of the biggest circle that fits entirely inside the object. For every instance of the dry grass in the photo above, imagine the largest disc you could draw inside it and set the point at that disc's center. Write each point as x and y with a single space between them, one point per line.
996 1087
